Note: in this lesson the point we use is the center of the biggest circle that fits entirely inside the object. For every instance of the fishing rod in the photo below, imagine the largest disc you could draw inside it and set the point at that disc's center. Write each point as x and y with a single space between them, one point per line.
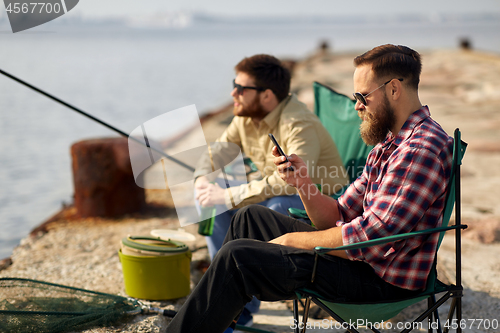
146 143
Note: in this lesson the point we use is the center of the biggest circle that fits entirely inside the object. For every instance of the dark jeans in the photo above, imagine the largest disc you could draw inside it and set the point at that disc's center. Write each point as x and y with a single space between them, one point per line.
248 266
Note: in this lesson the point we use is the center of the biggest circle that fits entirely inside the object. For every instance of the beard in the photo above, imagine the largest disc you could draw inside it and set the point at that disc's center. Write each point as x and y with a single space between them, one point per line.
376 125
253 110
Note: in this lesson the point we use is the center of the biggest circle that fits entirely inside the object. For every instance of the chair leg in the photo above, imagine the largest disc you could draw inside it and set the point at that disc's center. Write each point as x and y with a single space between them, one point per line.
450 314
459 314
434 316
306 313
296 314
431 315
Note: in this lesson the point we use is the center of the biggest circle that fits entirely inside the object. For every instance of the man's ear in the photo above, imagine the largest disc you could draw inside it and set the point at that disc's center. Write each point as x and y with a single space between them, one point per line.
266 95
268 100
396 89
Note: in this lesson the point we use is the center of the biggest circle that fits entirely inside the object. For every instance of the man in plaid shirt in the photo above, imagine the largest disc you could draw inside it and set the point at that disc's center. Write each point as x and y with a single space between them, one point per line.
401 189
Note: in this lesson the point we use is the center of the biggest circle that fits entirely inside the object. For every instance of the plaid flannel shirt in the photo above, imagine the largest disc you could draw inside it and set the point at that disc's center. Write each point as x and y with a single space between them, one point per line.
402 189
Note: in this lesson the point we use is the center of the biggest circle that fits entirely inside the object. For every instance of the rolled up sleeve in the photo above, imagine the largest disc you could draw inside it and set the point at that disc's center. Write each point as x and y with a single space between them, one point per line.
204 165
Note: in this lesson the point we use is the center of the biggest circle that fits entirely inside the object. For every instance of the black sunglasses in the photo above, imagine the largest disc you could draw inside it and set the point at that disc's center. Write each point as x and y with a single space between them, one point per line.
240 88
362 98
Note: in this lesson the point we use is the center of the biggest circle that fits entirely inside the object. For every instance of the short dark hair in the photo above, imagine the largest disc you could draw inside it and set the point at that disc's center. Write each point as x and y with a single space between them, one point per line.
268 73
393 61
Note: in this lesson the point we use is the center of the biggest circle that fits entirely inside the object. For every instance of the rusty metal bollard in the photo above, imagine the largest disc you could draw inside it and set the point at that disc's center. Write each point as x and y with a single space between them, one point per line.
103 179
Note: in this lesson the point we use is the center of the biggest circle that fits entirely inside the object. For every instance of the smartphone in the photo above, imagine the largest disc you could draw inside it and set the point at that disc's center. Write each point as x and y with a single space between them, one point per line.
282 153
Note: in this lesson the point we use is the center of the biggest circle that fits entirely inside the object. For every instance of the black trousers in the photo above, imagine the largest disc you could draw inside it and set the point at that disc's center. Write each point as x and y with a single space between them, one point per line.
248 266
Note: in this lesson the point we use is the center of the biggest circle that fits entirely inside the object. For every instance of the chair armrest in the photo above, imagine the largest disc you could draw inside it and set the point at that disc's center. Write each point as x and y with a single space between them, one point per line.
388 239
297 213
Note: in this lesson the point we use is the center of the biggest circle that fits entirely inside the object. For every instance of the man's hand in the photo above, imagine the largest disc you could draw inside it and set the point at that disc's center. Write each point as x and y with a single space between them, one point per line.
201 182
331 237
297 178
208 194
285 240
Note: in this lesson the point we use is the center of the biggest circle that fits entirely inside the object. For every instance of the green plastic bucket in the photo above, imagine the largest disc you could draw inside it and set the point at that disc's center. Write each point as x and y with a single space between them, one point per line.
155 269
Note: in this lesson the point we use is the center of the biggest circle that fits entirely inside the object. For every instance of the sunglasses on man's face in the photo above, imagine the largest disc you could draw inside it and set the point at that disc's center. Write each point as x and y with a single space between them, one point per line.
240 88
362 98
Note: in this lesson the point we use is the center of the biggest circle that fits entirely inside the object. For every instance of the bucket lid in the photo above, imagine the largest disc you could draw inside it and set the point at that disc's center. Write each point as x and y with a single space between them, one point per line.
154 244
178 235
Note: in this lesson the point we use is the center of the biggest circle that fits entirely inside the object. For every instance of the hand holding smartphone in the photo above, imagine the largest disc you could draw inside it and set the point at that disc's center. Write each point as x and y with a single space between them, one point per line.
280 151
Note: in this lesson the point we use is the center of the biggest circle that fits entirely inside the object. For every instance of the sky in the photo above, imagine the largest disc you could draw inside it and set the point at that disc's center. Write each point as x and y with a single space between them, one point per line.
100 8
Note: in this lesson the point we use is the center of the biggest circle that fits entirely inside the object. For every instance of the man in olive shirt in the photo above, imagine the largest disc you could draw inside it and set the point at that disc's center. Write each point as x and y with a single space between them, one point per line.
263 105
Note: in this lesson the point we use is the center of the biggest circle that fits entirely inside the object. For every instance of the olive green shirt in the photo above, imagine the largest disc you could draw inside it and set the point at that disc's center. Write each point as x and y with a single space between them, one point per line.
298 131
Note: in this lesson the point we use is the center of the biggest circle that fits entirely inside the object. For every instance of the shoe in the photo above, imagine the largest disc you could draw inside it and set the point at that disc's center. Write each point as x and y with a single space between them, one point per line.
245 319
230 329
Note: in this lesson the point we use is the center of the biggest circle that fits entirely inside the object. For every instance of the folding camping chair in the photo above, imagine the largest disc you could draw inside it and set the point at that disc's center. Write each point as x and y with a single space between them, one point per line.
347 313
337 114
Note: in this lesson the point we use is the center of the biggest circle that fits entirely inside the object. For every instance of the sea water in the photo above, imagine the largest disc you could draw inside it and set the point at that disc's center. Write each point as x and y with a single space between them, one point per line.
126 76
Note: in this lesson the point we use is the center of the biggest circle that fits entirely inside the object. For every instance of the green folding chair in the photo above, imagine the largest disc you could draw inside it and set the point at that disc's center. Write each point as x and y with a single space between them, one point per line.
347 313
337 114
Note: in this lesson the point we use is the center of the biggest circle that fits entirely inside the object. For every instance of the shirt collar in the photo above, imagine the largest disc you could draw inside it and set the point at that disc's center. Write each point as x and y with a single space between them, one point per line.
405 132
272 119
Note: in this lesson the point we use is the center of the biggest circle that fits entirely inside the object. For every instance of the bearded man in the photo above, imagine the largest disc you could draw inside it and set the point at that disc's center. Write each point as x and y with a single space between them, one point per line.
402 189
263 105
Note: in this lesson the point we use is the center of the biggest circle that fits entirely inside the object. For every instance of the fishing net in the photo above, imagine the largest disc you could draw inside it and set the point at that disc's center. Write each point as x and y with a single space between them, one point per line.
37 306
